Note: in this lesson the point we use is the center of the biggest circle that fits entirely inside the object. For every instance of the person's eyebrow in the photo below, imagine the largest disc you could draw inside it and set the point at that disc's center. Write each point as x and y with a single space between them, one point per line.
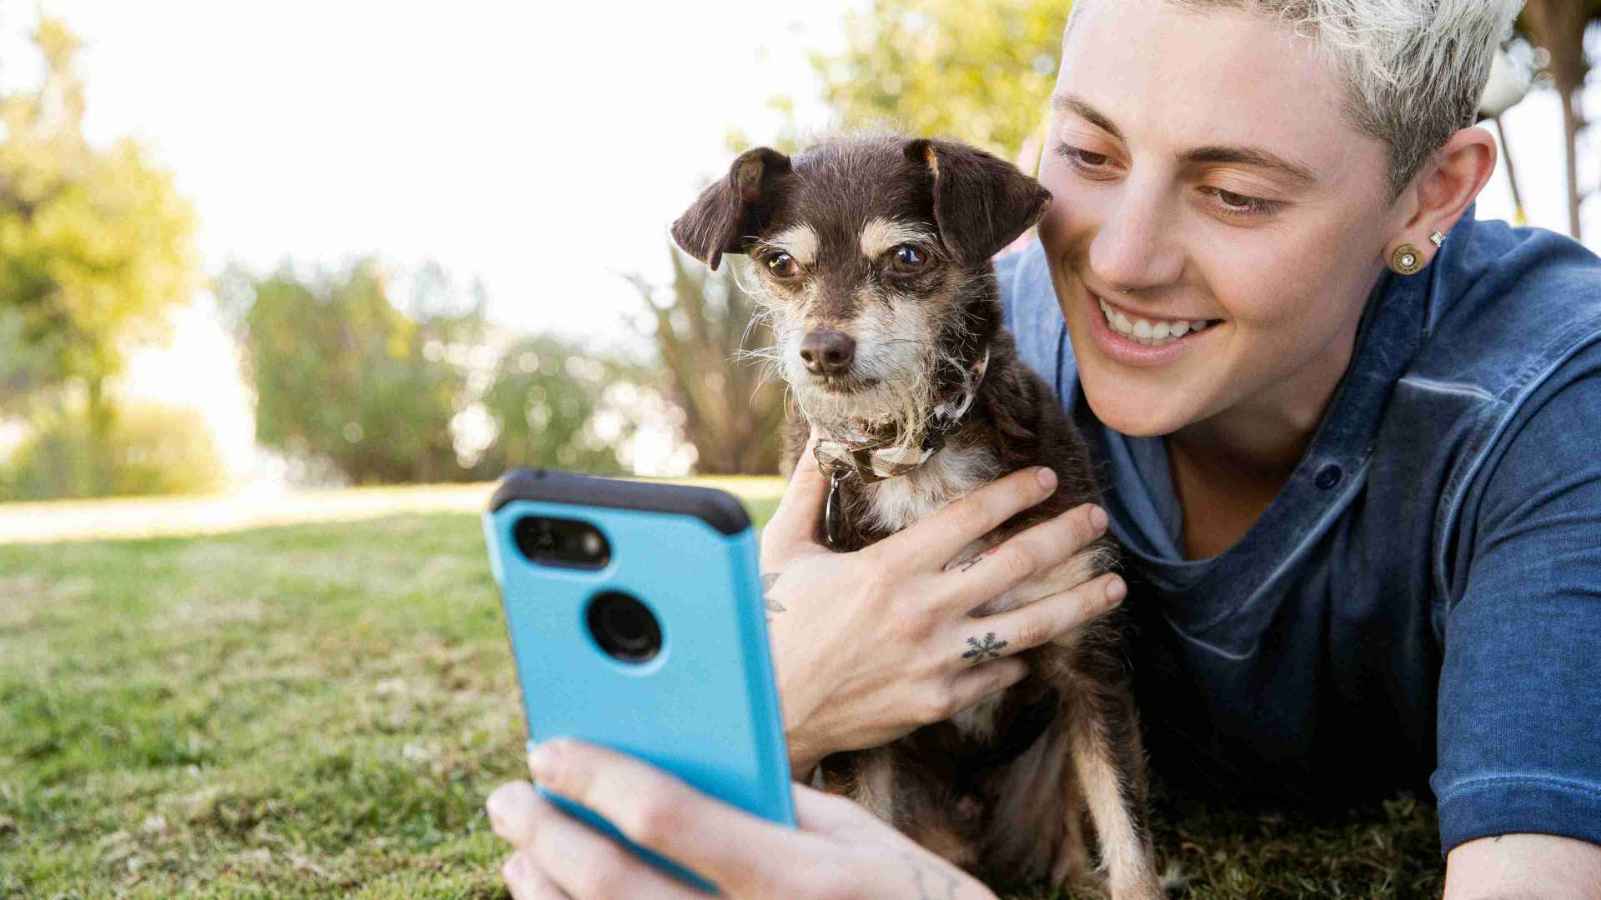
1072 104
1249 156
1218 155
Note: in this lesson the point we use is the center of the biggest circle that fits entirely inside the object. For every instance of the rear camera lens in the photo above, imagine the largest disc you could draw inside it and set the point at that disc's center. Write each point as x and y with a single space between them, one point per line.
624 627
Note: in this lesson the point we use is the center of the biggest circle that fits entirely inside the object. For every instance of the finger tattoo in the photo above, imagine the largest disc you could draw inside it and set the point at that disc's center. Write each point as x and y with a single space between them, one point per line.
968 562
987 649
768 580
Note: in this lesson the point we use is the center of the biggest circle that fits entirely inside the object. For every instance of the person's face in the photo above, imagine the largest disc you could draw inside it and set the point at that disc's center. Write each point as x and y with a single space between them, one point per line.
1205 169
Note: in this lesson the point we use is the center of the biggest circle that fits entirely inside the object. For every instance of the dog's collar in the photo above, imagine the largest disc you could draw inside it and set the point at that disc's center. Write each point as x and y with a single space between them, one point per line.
873 460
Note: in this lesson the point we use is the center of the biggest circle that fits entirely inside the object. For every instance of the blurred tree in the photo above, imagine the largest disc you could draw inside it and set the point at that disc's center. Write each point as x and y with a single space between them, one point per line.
344 376
706 327
1559 27
151 449
544 400
982 73
95 246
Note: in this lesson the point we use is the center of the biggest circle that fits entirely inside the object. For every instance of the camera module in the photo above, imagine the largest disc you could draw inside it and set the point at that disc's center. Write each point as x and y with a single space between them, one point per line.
568 543
624 627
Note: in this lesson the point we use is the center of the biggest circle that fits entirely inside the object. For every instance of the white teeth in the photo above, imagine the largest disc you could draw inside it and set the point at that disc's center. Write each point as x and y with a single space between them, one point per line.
1150 333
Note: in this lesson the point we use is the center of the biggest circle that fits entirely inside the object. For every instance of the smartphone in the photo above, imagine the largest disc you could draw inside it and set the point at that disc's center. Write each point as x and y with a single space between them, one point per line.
636 620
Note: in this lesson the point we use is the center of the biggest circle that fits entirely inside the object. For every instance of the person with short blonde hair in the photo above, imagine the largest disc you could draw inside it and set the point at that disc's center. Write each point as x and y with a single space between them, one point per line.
1348 436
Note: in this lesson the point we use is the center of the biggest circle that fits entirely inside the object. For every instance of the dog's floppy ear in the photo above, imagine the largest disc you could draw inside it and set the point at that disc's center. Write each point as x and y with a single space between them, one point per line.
981 202
731 210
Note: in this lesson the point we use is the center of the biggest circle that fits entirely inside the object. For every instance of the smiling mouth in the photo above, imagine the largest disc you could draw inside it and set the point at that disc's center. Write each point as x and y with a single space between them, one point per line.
1149 332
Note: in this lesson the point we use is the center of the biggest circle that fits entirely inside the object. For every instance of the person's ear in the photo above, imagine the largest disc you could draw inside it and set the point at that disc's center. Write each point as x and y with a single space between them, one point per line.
981 202
1439 197
732 210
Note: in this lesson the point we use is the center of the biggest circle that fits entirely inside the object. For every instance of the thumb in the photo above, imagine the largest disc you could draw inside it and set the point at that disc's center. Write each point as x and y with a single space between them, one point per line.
792 531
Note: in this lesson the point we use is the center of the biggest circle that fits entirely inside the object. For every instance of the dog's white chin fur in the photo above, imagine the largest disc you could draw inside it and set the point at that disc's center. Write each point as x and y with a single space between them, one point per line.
894 354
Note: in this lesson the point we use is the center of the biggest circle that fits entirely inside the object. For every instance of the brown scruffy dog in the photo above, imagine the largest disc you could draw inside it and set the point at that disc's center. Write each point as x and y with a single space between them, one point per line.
873 258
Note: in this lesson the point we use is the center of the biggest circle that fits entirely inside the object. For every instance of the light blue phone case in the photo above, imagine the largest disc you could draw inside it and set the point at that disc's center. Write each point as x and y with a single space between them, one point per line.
705 708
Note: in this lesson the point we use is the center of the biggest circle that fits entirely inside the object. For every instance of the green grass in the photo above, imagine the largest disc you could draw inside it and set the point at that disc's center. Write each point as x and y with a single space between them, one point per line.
321 709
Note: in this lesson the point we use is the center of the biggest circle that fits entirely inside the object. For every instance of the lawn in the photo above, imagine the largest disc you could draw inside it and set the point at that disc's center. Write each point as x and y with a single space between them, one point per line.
320 709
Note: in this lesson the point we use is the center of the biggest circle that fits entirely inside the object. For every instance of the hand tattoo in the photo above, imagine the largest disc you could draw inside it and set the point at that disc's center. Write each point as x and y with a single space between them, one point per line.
988 649
962 565
968 562
773 606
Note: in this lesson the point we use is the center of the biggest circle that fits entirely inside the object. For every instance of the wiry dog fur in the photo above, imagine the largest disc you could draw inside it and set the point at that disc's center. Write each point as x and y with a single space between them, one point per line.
826 233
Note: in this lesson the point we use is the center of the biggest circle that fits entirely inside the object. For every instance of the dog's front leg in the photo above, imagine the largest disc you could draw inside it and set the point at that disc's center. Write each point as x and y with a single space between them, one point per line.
1103 735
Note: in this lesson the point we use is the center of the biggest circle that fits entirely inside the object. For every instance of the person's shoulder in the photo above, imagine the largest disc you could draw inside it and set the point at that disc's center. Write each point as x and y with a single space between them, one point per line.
1510 370
1509 308
1029 310
1024 281
1546 284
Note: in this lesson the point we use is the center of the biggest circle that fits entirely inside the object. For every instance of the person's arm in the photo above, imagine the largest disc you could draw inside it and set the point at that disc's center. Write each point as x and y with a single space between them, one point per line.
839 850
1524 865
868 646
1519 777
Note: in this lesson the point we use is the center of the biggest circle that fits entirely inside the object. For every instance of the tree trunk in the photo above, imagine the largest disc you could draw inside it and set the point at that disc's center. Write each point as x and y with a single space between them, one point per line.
1520 215
1558 26
97 478
1571 123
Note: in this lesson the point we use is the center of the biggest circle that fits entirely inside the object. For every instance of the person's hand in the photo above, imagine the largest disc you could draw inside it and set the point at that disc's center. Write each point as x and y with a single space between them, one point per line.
869 646
839 849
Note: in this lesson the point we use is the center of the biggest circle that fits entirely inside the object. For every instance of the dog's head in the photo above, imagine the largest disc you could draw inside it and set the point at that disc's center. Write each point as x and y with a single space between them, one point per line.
873 256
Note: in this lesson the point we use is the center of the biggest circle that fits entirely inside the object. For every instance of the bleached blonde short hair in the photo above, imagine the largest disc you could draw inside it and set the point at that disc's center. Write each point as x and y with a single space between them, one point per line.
1415 70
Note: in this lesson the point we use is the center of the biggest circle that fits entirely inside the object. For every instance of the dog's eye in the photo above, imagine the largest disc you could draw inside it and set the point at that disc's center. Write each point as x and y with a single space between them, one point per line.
909 257
782 265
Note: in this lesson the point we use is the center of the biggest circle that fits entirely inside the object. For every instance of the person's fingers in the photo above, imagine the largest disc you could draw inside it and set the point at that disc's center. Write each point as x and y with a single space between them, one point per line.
932 542
793 527
1027 627
514 810
559 856
1043 550
973 685
734 849
823 813
587 865
525 882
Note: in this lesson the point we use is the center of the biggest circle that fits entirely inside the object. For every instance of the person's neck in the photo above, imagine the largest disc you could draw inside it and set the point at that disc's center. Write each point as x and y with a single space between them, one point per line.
1252 446
1264 437
1227 469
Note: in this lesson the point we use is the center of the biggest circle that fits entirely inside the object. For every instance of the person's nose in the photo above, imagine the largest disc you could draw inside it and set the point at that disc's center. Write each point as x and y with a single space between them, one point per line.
1136 246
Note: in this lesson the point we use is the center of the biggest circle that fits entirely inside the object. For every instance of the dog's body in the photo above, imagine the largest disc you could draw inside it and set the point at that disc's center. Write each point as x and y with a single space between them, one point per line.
877 274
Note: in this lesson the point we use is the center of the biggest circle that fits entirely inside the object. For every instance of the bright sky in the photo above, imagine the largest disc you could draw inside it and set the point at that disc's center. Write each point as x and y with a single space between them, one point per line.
544 147
541 146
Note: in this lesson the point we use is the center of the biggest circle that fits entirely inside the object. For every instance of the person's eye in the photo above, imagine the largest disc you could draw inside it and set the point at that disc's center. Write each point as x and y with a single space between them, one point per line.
1082 159
1234 204
782 265
909 257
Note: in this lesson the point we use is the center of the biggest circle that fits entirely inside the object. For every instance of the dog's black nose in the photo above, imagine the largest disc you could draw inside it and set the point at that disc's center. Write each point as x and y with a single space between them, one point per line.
828 352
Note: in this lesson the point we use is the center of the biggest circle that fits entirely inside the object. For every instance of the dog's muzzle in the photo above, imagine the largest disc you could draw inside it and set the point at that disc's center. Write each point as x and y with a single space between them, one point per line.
872 461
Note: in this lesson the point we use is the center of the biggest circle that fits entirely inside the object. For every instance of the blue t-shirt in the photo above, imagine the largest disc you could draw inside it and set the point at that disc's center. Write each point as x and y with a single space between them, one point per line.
1421 603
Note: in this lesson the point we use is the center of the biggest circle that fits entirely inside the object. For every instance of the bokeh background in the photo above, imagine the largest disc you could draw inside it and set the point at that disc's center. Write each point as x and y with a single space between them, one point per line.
283 285
252 247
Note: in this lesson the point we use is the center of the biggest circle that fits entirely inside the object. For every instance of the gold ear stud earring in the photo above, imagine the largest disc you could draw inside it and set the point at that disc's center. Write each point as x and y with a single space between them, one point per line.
1406 260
